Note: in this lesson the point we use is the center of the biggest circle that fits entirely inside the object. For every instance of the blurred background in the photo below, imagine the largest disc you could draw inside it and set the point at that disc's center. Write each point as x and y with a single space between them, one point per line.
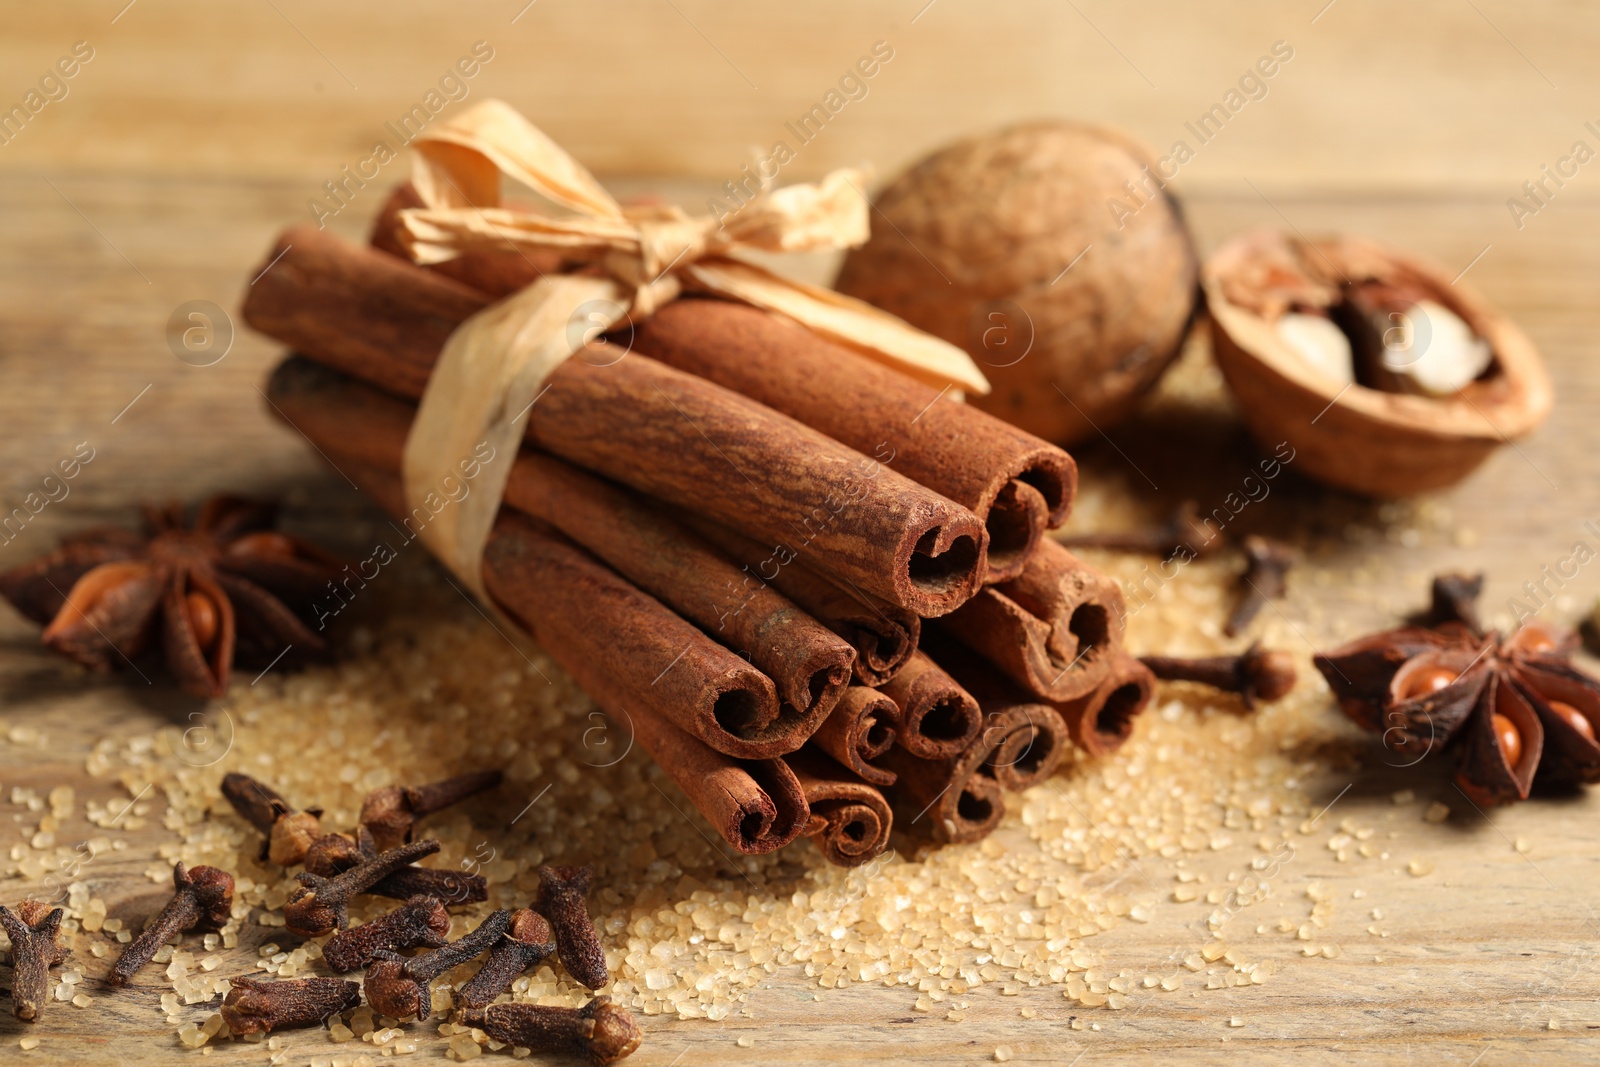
190 133
1469 95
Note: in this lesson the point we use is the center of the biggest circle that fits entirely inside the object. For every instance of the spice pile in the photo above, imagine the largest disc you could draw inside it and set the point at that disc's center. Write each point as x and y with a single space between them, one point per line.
1202 812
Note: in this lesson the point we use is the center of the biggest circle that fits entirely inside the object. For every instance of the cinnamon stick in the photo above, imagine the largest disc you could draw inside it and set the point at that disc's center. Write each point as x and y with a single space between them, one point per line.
1016 482
938 718
1033 740
557 592
1053 629
667 433
850 820
809 664
755 804
861 727
883 635
1027 737
601 628
951 800
1100 721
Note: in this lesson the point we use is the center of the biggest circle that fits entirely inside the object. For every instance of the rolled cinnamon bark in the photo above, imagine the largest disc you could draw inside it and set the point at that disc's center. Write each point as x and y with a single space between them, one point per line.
883 635
1027 737
1053 629
938 718
809 664
1016 482
567 599
355 422
1100 721
950 800
673 435
1033 742
861 727
757 805
850 820
604 631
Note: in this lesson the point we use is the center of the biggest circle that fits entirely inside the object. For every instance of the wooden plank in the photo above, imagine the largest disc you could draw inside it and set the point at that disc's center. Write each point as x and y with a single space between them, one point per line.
690 87
1488 949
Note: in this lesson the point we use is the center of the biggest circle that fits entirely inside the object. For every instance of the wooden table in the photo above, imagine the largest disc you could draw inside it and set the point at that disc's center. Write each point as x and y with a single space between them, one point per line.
1489 958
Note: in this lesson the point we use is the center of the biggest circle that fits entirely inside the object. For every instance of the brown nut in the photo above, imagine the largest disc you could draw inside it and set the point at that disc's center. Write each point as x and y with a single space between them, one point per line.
1052 253
1365 367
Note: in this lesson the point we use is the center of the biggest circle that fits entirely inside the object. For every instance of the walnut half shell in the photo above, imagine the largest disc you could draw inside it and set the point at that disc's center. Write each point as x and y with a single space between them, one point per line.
1351 420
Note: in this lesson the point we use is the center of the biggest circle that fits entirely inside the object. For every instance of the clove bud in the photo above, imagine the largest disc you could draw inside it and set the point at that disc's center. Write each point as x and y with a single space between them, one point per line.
1184 533
600 1029
397 986
333 854
1256 673
526 942
419 921
1265 578
288 832
33 931
392 812
204 901
561 900
322 904
256 1007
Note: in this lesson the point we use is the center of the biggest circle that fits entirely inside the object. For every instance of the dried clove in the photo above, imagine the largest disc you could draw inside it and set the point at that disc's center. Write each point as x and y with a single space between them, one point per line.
1265 578
1185 533
397 986
419 922
527 941
33 931
1454 600
288 832
204 901
1256 673
561 900
322 904
333 854
256 1007
600 1030
392 812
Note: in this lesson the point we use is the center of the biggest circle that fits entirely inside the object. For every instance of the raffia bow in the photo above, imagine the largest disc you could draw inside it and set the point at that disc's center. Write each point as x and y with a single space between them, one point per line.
493 366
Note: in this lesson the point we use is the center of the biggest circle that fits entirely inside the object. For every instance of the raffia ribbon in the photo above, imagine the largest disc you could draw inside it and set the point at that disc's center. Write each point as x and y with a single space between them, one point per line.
493 366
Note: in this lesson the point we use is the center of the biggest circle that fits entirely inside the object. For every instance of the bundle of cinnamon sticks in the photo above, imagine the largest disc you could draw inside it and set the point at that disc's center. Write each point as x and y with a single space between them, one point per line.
819 593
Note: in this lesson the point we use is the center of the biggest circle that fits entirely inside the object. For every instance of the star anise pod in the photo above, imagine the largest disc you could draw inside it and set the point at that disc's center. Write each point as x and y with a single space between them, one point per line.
1514 706
211 593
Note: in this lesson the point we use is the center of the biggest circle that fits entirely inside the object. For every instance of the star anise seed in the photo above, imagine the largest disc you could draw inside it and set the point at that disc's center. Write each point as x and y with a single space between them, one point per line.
1514 707
211 593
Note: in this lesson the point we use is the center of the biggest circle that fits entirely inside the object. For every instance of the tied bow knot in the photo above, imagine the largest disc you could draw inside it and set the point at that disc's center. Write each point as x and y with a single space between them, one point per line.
637 258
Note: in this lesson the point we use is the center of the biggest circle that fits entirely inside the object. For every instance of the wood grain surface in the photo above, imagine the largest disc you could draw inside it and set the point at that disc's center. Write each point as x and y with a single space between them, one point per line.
198 131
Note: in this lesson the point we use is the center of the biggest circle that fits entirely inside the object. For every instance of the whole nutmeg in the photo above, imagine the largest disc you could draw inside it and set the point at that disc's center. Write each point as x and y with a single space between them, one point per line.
1049 251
